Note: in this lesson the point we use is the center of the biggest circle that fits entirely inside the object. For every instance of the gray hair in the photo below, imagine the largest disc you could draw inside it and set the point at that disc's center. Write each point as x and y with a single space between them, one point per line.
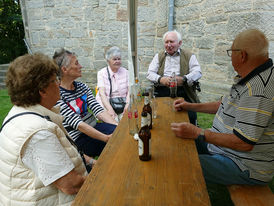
179 37
62 58
253 41
113 52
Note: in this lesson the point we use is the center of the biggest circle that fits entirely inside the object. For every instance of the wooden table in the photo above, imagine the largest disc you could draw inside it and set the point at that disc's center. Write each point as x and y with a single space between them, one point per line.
172 177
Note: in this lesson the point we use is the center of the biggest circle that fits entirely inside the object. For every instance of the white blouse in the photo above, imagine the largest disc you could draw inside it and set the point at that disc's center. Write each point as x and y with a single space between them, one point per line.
46 157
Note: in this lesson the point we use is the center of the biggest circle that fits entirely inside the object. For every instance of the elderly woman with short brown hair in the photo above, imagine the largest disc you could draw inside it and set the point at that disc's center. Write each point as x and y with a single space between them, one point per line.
36 156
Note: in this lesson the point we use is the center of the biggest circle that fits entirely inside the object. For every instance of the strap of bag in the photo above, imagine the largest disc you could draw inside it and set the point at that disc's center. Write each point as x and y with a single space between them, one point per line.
109 83
20 114
47 118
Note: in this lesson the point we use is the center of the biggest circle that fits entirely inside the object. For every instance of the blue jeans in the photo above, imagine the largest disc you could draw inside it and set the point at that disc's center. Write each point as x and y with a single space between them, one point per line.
220 169
93 147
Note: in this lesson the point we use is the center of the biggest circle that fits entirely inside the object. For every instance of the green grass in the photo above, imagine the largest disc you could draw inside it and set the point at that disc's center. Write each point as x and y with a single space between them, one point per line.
5 104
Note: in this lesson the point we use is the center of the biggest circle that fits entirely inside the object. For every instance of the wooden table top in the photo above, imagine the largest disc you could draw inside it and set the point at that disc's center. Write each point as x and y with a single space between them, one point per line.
172 177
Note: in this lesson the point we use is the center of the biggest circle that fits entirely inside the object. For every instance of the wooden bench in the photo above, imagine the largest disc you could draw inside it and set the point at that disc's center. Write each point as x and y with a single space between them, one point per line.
245 195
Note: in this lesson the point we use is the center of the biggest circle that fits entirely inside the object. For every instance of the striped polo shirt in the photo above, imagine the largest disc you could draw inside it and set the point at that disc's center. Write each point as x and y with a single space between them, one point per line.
74 105
247 112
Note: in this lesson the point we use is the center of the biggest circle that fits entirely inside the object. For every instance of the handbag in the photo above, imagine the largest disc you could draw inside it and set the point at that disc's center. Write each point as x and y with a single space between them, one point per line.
117 103
90 119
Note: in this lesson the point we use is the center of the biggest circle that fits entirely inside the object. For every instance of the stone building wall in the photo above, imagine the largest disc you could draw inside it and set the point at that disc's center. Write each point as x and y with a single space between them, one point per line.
89 27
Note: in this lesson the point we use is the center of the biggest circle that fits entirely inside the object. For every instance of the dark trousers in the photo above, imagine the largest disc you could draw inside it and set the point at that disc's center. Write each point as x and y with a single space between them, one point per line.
93 147
163 91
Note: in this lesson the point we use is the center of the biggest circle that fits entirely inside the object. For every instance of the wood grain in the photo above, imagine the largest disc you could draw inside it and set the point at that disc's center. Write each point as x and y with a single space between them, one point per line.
172 177
243 195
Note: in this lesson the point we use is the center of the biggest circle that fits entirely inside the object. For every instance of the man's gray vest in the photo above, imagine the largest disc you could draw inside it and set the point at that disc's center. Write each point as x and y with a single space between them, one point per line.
184 69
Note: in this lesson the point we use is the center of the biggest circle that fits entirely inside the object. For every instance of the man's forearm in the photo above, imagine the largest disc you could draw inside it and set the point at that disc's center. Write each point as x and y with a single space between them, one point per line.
227 140
209 107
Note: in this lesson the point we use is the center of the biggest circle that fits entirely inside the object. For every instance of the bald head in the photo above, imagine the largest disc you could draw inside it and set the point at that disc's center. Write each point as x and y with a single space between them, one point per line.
253 41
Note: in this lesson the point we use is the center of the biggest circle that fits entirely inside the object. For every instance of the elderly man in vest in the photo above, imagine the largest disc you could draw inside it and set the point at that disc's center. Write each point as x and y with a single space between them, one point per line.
185 66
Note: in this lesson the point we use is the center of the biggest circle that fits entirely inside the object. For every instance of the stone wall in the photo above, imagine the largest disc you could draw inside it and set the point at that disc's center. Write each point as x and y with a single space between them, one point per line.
3 71
90 27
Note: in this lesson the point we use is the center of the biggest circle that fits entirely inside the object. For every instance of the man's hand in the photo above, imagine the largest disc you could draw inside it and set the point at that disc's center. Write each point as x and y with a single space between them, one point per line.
165 81
185 130
180 80
179 104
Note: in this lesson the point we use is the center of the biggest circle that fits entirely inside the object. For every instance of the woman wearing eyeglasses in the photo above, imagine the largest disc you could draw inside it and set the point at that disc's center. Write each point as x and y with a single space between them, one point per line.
39 165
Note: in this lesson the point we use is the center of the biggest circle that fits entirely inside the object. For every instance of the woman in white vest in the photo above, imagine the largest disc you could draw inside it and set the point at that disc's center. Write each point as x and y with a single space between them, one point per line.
39 165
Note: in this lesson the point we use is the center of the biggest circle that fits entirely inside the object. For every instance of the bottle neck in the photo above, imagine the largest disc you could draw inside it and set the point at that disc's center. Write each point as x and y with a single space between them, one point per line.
146 102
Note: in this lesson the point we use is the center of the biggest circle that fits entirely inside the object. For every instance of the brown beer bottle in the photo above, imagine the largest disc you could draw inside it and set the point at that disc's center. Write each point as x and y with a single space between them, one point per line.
147 108
144 138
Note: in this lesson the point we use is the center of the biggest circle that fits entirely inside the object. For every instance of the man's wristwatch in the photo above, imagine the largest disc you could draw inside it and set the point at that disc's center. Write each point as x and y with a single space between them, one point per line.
201 136
159 80
184 78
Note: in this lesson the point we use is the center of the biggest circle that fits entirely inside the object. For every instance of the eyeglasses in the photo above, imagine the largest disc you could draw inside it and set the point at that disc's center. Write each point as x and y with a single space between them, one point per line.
229 51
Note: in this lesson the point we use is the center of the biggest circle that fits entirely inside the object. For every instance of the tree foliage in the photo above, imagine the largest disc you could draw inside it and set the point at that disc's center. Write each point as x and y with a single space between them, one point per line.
11 31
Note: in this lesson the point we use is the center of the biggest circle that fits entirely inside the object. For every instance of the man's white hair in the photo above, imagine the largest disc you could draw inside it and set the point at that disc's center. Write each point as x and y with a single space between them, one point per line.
179 37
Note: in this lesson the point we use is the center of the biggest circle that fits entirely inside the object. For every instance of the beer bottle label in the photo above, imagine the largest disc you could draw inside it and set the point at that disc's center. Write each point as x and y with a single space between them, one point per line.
129 115
136 114
144 121
141 147
148 119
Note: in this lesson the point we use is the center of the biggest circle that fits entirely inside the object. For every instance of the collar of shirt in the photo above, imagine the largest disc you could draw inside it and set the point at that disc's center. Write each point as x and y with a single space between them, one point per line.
175 54
256 71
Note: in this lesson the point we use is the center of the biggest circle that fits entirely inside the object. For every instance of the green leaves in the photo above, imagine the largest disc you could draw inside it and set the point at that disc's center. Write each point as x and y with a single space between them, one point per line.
11 31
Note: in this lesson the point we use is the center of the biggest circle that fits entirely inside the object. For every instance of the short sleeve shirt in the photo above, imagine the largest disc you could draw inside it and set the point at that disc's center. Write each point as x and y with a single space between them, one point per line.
46 157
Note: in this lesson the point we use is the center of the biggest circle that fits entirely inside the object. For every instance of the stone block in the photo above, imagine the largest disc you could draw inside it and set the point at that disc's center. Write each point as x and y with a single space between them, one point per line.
196 28
205 43
187 43
216 19
264 5
145 42
48 3
240 22
37 5
216 29
34 38
146 14
36 25
238 7
122 15
182 3
183 14
78 33
147 29
205 56
56 43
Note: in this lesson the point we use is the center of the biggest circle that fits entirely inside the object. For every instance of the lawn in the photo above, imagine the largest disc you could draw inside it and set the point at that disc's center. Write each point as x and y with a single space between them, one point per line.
218 194
5 104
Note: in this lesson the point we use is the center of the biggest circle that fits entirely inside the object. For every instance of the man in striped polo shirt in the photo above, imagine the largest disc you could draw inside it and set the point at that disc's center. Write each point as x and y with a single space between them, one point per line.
239 148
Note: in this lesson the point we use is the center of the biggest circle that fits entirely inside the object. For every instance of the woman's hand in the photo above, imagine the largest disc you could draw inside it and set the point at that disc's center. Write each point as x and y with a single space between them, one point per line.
185 130
107 137
112 113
